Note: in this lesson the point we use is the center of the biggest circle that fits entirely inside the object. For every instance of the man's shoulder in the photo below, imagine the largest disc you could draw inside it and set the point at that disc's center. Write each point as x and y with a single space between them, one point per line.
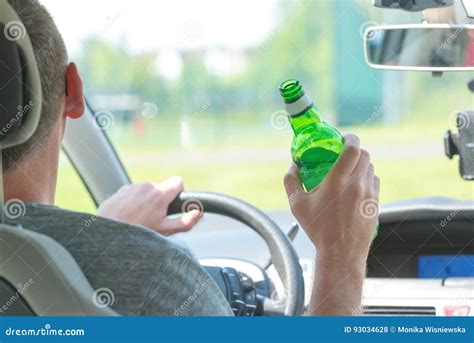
40 217
78 230
140 266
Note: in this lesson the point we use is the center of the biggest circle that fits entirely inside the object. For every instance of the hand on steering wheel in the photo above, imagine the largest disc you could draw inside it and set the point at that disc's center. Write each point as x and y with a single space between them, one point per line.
283 255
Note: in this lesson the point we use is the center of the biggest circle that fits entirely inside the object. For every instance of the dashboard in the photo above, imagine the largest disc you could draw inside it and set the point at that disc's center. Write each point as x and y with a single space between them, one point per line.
424 245
421 263
410 243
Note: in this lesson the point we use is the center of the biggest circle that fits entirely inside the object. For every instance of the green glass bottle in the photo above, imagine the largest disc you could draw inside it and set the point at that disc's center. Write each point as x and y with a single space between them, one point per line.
316 145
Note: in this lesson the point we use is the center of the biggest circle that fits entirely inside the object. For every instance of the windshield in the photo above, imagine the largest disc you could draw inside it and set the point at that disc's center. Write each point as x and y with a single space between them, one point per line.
190 88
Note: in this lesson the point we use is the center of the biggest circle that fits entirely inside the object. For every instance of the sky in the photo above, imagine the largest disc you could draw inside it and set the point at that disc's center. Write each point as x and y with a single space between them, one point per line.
174 24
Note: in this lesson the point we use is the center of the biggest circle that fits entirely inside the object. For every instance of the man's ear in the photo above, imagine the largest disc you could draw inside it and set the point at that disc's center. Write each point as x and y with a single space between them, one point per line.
74 93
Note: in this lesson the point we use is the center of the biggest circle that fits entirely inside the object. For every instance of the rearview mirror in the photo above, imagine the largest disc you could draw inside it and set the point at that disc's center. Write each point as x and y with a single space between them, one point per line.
422 47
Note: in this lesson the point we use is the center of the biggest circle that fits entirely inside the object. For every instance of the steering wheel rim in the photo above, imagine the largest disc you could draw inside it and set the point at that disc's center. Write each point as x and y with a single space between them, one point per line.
283 254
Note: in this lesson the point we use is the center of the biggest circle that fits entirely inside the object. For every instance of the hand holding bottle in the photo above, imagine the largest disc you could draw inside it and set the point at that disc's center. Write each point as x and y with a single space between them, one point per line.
333 216
316 145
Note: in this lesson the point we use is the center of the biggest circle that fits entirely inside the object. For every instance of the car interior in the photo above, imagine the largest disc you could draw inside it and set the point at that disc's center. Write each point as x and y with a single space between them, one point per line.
421 262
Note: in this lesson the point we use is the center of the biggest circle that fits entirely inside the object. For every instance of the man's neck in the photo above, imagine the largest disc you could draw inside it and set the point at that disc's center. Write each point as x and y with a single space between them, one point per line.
33 179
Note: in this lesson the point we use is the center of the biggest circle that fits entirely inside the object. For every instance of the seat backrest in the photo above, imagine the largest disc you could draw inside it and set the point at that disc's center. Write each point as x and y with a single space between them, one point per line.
39 277
20 81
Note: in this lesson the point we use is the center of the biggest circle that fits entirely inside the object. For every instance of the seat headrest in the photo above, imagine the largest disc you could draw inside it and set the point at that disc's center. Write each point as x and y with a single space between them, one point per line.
20 83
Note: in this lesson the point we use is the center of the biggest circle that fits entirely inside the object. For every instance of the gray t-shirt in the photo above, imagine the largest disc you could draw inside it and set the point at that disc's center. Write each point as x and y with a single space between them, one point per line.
147 274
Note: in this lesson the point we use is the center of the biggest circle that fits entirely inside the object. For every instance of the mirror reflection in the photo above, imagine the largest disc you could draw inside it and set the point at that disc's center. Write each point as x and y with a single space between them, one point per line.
430 47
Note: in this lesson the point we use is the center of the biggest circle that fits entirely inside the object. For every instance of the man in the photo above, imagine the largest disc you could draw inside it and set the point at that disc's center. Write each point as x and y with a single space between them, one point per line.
120 248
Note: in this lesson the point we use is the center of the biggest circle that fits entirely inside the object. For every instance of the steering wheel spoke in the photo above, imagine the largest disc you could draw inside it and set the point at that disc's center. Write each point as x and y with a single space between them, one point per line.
282 253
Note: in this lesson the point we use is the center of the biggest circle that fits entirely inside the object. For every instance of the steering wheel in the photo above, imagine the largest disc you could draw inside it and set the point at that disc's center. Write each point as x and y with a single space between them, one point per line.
282 253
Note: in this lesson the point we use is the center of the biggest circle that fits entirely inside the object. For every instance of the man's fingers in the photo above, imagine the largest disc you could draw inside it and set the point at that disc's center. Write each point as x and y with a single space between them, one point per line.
171 188
181 224
363 164
349 157
376 187
369 180
292 182
369 176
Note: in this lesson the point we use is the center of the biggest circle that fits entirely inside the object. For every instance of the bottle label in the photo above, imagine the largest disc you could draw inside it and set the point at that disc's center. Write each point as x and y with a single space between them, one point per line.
299 106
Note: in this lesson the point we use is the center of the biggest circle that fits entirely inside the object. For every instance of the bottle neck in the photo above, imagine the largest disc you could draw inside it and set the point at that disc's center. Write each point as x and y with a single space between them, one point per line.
300 107
305 119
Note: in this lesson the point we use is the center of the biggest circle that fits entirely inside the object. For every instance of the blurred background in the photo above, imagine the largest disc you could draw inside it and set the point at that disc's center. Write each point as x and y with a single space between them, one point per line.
191 88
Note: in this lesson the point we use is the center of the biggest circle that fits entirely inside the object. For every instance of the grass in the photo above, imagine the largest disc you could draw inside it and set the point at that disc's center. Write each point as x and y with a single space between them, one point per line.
248 160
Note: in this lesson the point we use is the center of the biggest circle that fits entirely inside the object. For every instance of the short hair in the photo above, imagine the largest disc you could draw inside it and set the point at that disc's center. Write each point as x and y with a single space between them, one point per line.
51 57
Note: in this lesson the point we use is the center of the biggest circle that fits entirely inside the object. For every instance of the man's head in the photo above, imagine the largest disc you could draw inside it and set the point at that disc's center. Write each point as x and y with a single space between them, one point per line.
56 78
30 169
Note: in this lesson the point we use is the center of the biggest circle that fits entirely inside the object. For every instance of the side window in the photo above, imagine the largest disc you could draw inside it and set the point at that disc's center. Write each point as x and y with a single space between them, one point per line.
71 193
